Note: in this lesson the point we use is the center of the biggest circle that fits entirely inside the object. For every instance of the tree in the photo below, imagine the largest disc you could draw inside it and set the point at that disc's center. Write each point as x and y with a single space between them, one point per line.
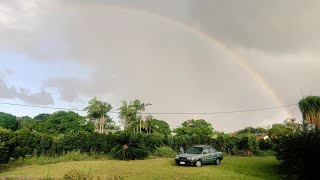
252 130
247 143
8 121
286 128
139 106
156 126
310 109
199 127
149 125
41 117
98 109
63 122
128 115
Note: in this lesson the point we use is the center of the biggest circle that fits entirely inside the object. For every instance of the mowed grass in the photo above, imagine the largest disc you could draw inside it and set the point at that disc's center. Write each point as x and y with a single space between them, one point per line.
230 168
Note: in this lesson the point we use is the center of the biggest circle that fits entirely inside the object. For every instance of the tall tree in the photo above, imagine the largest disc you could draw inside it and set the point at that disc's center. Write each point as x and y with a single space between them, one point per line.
8 121
63 122
140 107
98 110
310 109
199 127
149 125
127 114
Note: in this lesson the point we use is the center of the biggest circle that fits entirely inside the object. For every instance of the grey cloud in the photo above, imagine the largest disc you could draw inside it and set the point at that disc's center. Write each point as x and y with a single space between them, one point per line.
133 55
41 98
274 26
6 91
11 92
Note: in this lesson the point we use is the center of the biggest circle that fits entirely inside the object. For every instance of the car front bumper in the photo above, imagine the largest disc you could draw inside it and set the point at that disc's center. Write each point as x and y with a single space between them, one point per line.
185 162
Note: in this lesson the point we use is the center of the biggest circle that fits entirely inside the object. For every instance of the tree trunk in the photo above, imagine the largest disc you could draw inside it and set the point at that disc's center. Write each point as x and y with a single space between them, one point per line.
102 124
140 120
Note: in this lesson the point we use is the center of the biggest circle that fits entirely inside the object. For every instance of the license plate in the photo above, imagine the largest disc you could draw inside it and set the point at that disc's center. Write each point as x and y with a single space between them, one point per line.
181 162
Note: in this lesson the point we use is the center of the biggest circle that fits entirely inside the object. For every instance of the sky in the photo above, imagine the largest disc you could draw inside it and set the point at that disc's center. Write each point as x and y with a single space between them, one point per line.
182 56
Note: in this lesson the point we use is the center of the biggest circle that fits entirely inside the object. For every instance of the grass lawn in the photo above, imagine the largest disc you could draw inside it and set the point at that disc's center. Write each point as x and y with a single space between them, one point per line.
230 168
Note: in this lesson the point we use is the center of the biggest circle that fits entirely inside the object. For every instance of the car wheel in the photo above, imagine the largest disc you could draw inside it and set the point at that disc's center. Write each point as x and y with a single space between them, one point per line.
217 162
199 163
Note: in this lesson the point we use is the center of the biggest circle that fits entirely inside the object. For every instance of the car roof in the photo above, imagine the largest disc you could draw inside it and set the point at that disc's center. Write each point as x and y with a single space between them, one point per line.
201 145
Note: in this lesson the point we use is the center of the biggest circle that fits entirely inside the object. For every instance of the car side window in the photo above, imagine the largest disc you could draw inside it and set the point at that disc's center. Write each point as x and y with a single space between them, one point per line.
206 151
212 150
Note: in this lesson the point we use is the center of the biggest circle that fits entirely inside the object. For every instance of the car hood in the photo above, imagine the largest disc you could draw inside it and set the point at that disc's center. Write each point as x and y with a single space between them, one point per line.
185 155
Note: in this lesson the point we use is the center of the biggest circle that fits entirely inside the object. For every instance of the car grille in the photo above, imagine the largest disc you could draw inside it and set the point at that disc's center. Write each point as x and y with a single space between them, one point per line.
182 158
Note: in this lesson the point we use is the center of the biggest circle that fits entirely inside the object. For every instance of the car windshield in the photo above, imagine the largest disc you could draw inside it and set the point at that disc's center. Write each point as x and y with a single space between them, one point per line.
194 150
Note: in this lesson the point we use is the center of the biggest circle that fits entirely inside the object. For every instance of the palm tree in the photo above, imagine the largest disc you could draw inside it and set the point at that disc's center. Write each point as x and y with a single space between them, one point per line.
128 115
140 107
310 109
149 124
98 109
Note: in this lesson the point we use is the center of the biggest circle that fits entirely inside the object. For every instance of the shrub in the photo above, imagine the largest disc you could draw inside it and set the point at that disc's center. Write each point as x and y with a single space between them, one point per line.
153 141
300 154
5 136
165 152
78 175
129 147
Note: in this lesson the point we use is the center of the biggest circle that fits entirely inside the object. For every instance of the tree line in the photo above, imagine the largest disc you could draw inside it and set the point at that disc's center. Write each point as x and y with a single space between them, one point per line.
297 145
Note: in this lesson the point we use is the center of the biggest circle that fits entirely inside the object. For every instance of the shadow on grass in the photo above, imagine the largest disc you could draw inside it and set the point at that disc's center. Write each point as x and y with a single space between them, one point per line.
6 167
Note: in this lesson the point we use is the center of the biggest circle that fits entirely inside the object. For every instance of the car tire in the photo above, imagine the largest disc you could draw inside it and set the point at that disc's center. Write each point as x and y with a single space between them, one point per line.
217 162
198 163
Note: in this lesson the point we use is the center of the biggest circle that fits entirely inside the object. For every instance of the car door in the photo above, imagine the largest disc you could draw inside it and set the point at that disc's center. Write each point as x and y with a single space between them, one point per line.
206 155
213 154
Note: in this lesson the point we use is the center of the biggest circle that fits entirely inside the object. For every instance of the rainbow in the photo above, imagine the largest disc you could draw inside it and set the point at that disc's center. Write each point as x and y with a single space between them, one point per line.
239 58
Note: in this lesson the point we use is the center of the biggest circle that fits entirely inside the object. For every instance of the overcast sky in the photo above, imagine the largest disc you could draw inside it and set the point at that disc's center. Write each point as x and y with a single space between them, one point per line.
180 55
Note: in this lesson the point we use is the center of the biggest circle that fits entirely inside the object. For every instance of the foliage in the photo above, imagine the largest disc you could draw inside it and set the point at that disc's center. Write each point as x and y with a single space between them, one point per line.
195 127
138 106
63 122
299 153
8 121
156 126
99 110
152 141
41 117
310 109
252 130
288 127
164 152
247 143
128 115
5 136
129 147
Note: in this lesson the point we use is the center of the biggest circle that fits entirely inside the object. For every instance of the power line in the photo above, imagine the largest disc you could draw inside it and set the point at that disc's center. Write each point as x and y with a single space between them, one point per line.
163 113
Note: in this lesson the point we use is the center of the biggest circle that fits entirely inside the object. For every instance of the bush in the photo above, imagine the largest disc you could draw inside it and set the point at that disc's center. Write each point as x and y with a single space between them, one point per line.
5 136
165 152
300 154
129 147
78 175
153 141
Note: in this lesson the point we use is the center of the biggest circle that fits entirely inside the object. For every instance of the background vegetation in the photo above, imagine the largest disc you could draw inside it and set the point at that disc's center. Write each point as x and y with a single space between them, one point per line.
25 140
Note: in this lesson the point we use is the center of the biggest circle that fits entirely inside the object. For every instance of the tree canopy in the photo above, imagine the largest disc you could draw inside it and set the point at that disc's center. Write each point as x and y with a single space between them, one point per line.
63 122
8 121
199 127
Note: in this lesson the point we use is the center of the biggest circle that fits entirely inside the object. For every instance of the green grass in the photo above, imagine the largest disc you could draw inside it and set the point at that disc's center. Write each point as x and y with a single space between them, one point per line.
70 156
231 168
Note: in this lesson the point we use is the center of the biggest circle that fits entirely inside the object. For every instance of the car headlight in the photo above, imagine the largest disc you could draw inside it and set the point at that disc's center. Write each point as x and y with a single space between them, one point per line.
177 157
190 158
